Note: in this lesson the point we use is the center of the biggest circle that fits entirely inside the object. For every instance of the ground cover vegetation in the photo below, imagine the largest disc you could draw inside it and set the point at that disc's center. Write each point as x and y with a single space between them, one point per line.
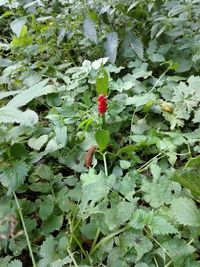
99 133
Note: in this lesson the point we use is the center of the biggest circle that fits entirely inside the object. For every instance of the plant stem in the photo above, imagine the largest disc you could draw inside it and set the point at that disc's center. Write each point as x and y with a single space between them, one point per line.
72 258
25 231
107 238
96 238
105 164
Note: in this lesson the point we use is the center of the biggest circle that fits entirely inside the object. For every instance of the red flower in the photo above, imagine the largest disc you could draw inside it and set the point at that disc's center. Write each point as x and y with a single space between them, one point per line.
102 104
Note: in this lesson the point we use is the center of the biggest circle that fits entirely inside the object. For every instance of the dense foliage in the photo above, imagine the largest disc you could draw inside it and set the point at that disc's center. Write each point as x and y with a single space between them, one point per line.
100 134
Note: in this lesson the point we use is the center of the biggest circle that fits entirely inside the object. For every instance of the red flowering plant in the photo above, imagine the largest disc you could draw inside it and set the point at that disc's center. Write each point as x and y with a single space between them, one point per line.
102 104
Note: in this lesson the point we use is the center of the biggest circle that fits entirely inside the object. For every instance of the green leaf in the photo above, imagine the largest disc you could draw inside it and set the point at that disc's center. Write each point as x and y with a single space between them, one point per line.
186 212
94 188
31 93
102 138
51 224
111 45
13 115
159 226
14 176
178 248
47 248
17 26
189 178
37 143
89 30
15 263
46 207
137 46
102 82
125 164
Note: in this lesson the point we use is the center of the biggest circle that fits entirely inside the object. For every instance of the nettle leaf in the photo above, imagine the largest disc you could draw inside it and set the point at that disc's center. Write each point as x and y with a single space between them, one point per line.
15 263
135 239
37 143
46 207
186 212
31 93
14 176
14 115
89 30
102 82
47 248
178 248
160 192
52 224
188 178
102 138
94 188
157 224
111 45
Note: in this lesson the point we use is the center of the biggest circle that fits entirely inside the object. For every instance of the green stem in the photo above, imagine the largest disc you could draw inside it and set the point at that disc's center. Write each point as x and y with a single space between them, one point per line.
25 231
107 238
72 258
105 164
96 238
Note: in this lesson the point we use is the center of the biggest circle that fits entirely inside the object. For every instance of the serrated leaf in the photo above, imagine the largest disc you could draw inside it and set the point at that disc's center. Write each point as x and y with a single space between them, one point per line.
102 82
186 212
159 226
189 178
178 248
89 30
31 93
47 248
15 263
13 115
46 207
94 188
52 224
102 138
111 45
14 176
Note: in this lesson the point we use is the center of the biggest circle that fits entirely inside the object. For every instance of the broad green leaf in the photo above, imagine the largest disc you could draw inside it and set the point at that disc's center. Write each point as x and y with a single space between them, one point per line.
14 115
189 178
111 45
37 143
159 226
102 138
137 46
14 176
17 26
47 248
31 93
102 82
186 212
160 192
178 248
94 188
90 31
15 263
125 164
9 93
52 224
46 207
